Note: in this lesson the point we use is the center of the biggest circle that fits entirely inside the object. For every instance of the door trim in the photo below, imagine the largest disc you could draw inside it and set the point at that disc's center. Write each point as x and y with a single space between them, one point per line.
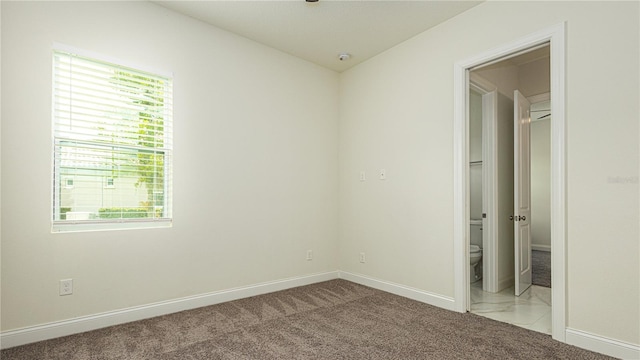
555 35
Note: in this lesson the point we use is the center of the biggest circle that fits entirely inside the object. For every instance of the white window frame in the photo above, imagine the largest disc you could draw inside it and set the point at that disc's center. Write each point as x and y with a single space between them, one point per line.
63 226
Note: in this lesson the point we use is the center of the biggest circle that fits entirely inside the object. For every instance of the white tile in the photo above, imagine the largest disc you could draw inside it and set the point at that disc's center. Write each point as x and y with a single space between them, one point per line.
542 294
531 310
543 325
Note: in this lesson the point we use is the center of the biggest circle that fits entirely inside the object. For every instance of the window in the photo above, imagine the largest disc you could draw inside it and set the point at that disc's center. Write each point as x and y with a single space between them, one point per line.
111 125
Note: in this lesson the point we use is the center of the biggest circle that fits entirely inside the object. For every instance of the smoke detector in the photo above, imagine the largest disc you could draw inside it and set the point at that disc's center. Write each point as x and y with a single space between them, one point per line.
344 57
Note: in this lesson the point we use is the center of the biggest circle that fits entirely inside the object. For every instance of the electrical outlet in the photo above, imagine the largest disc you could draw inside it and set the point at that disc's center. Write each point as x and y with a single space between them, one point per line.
309 255
66 287
362 258
363 176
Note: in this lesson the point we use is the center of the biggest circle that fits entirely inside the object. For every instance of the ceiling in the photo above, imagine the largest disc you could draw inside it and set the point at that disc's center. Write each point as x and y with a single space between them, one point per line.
319 32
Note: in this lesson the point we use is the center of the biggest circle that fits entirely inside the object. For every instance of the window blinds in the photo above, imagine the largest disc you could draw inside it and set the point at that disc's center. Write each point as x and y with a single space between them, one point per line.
112 129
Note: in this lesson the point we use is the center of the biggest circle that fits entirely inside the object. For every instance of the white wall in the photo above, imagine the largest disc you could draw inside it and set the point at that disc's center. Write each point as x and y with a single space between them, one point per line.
397 113
255 165
541 184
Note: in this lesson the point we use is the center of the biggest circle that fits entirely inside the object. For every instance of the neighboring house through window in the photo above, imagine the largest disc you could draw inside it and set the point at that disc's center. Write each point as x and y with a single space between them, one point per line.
68 183
108 183
112 130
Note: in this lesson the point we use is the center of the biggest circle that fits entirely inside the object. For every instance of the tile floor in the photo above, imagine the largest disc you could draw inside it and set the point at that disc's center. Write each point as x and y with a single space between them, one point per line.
531 310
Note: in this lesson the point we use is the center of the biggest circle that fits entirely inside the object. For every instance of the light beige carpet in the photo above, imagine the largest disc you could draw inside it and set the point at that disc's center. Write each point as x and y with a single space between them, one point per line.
331 320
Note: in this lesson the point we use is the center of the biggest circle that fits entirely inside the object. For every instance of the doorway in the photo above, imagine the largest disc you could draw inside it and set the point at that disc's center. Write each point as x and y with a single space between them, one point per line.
555 37
501 97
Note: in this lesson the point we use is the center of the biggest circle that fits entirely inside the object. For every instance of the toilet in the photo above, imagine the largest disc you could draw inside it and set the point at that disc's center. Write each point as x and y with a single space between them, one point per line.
475 255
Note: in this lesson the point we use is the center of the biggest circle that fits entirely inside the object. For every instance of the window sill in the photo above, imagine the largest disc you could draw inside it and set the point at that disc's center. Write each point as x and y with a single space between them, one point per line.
93 225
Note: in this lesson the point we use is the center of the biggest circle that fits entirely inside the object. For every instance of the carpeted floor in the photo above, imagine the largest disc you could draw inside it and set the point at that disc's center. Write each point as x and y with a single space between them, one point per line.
331 320
541 268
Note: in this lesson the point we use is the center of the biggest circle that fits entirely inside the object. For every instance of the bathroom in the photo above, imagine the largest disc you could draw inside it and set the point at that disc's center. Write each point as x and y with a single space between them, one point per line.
491 237
528 72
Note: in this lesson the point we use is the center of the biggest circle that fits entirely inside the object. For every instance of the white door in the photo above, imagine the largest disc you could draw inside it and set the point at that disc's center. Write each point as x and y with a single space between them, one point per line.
522 191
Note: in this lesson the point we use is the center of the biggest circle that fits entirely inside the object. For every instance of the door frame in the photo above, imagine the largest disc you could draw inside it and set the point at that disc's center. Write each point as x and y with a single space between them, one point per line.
555 36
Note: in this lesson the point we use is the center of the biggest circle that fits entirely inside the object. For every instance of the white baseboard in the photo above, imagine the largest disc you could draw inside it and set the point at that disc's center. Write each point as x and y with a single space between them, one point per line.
401 290
602 344
31 334
546 248
87 323
505 283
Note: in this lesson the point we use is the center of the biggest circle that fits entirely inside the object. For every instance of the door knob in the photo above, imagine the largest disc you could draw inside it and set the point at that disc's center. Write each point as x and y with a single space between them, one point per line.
510 217
523 218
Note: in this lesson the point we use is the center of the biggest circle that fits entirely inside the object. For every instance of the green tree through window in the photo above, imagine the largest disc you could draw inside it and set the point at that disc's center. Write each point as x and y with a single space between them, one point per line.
150 165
